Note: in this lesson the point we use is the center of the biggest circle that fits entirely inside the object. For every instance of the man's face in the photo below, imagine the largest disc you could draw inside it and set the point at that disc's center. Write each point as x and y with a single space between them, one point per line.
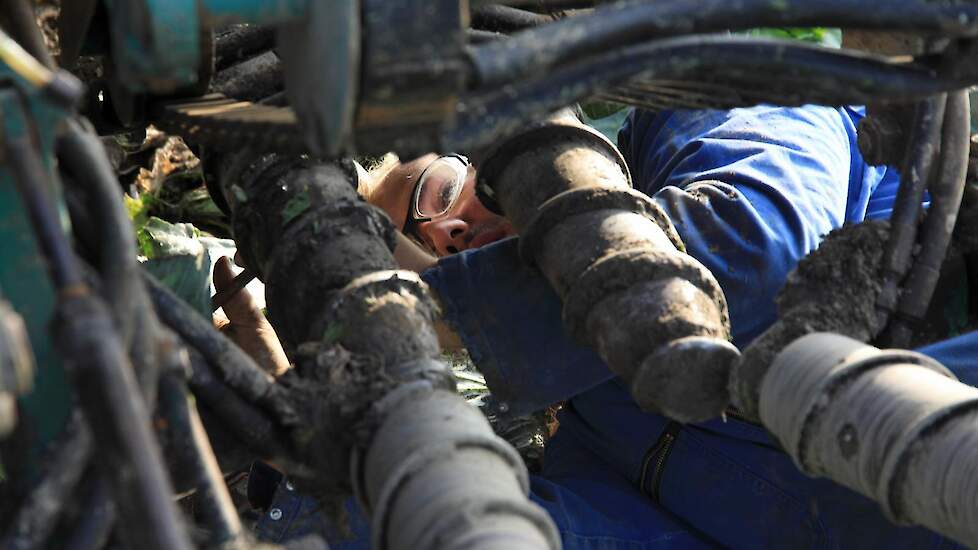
467 224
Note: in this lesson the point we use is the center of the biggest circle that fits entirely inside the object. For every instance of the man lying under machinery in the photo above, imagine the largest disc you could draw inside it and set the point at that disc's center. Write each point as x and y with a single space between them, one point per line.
698 301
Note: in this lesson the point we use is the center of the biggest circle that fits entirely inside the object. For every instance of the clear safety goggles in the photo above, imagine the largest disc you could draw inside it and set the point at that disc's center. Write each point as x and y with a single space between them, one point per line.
438 188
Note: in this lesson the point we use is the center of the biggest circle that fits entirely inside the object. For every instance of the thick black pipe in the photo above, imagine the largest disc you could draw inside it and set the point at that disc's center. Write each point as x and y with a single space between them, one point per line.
38 515
945 191
817 75
620 24
922 151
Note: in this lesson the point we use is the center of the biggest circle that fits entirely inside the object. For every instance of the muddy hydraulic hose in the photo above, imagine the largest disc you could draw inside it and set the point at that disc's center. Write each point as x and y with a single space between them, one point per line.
654 314
368 379
893 425
945 191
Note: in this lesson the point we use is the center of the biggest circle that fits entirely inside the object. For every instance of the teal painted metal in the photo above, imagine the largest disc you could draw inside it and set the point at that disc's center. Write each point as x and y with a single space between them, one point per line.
265 12
23 273
156 43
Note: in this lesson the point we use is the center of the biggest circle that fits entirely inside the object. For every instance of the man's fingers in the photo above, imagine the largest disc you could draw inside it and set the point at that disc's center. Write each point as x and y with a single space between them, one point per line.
240 307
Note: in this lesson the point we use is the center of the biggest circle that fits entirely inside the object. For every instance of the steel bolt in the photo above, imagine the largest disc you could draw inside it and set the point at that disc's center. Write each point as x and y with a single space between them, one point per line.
275 514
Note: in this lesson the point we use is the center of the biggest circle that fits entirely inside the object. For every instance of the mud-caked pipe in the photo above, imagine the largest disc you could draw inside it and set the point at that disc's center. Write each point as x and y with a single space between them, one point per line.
653 313
374 397
893 425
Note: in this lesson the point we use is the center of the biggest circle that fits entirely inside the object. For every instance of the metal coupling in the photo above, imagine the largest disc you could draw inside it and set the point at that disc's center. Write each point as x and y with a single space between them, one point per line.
893 425
654 314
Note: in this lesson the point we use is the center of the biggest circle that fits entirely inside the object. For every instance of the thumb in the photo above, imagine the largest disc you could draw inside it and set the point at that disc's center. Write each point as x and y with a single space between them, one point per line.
240 307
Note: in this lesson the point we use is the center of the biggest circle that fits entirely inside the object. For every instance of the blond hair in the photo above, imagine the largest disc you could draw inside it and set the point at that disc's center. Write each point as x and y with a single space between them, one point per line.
374 173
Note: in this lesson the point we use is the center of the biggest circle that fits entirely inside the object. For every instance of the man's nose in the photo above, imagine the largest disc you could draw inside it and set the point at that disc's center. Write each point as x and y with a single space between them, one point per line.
448 235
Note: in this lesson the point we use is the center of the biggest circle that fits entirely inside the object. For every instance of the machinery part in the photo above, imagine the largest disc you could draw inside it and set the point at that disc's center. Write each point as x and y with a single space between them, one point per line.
16 365
412 460
18 18
362 339
128 454
892 425
39 513
238 370
799 73
946 190
410 79
252 79
834 288
95 527
881 136
505 19
236 43
655 315
606 28
93 356
321 56
190 454
924 147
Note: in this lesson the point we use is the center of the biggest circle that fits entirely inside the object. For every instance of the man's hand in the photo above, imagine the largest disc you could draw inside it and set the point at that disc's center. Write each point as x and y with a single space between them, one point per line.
246 326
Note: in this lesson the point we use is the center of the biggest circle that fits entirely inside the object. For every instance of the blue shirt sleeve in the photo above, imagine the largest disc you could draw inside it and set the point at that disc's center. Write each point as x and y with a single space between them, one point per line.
751 191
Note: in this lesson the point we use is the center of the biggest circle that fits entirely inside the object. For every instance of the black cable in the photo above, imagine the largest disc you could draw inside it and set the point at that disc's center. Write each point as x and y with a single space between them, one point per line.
945 191
800 73
922 151
613 26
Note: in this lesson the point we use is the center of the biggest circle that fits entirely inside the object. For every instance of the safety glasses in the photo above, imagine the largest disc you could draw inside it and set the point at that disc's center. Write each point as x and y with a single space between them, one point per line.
437 190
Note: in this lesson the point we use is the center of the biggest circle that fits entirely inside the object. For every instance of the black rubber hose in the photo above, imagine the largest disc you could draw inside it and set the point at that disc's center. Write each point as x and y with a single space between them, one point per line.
611 27
20 22
31 179
38 515
113 246
505 19
935 234
82 155
817 75
93 530
238 370
191 454
239 42
921 153
250 426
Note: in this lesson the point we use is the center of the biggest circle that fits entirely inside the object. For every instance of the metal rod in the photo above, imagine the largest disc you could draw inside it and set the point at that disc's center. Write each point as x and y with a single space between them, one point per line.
99 514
